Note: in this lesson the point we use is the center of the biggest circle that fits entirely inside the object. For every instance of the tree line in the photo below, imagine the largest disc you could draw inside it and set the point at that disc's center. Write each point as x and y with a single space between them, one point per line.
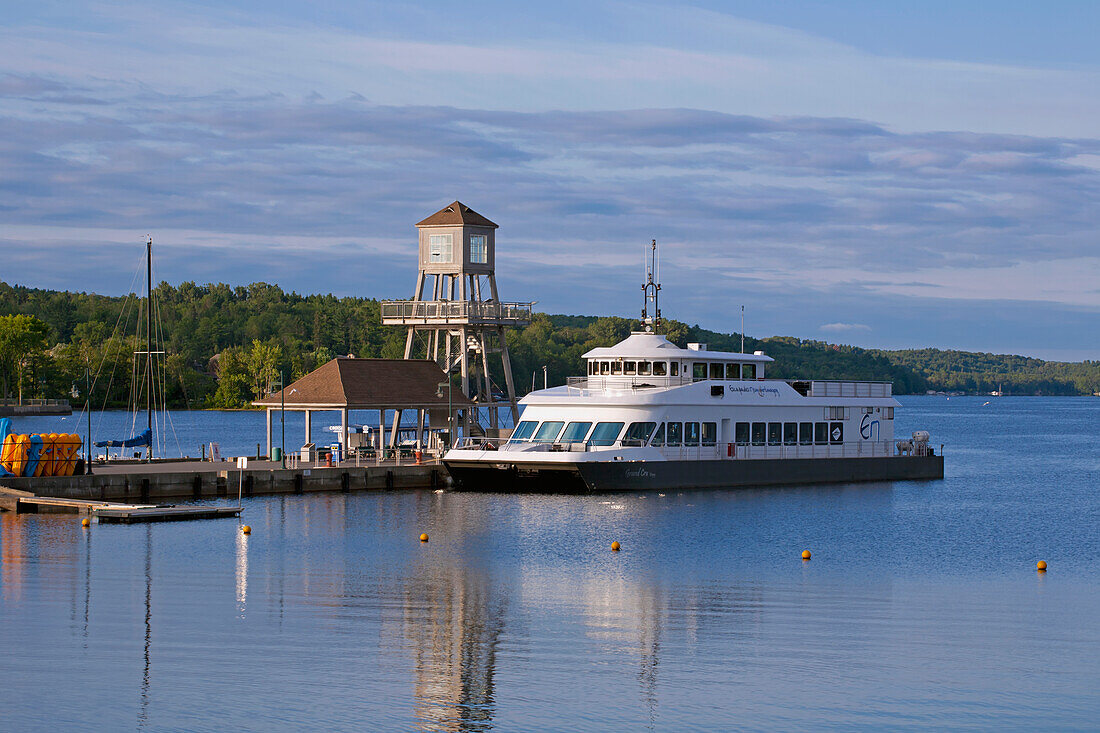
225 346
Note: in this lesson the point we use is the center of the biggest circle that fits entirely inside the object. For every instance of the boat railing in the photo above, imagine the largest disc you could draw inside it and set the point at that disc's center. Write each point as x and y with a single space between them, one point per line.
720 451
841 388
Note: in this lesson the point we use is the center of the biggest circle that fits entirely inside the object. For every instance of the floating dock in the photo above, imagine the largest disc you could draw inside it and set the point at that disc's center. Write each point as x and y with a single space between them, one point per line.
22 502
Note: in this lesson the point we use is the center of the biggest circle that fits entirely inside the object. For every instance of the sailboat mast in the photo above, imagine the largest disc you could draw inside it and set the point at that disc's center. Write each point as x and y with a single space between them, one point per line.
149 342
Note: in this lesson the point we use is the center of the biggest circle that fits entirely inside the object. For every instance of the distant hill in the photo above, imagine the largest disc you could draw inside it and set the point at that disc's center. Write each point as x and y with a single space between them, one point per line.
225 344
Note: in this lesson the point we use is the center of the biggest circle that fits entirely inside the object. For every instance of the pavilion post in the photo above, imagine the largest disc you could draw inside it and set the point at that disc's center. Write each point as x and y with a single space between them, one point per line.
344 431
309 426
270 419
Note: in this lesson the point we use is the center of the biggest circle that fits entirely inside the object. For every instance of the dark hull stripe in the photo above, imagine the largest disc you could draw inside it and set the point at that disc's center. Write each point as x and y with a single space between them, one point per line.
634 476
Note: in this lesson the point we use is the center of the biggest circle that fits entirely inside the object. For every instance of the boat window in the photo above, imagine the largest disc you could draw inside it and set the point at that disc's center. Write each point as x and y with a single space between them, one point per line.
675 433
575 432
733 371
523 430
591 368
806 433
775 433
836 432
630 367
741 433
605 433
889 413
659 368
790 433
674 369
748 371
717 370
616 367
710 433
644 368
759 431
548 431
605 368
698 371
638 433
659 436
691 433
821 433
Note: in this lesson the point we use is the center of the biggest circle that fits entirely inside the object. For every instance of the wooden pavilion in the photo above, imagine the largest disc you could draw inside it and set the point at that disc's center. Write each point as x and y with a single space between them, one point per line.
347 383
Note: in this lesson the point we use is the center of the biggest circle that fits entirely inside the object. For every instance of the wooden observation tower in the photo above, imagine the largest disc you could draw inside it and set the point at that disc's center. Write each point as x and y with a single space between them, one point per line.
460 323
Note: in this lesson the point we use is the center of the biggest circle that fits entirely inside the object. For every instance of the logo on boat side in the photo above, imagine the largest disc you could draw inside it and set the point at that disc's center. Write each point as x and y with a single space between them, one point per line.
868 428
638 473
759 391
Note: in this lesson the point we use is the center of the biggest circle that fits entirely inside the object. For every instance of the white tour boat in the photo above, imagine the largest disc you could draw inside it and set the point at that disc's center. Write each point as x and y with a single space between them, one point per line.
651 415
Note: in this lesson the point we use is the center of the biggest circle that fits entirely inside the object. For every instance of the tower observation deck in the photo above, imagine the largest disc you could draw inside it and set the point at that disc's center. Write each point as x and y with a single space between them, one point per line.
456 317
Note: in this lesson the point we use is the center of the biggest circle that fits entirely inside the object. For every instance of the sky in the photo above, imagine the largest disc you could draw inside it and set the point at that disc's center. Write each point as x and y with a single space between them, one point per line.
890 175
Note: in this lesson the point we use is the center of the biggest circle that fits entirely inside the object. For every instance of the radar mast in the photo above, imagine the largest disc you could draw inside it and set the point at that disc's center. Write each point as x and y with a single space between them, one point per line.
651 288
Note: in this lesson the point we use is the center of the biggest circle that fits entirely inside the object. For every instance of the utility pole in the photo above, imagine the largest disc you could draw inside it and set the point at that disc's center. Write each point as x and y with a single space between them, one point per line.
282 416
742 329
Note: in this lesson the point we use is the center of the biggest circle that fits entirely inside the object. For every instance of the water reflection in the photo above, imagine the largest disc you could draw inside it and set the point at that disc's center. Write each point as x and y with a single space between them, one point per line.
453 621
143 714
242 573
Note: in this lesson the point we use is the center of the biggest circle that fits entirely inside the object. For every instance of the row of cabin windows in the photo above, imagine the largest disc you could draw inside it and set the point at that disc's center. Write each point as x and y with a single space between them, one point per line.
607 433
441 248
699 370
557 431
788 433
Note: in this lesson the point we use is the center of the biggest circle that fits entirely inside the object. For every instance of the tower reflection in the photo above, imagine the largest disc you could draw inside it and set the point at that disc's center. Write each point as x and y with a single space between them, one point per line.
453 622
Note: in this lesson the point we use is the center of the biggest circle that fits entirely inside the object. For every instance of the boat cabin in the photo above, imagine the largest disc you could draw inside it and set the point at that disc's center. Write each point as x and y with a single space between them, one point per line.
651 360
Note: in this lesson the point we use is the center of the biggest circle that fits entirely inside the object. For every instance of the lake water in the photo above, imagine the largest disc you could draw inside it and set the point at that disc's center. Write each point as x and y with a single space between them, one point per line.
921 607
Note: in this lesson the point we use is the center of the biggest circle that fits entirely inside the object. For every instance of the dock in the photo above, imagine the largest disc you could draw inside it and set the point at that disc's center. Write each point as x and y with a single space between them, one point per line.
152 484
107 512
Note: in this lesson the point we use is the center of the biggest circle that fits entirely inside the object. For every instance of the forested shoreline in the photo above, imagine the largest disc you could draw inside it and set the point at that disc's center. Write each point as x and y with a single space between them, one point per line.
226 345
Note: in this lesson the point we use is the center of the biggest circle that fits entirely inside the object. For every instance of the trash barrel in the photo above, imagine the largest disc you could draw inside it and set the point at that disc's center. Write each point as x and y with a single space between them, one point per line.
277 454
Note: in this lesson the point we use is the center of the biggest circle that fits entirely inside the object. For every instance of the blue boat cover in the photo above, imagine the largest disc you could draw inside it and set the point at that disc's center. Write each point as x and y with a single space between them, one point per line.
146 438
5 430
34 455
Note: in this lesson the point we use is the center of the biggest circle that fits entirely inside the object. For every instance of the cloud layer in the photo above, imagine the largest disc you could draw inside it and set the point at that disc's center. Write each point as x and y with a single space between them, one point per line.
882 233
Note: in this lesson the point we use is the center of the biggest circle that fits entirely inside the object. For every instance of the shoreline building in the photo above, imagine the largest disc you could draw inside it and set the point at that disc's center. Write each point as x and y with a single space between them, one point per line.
456 317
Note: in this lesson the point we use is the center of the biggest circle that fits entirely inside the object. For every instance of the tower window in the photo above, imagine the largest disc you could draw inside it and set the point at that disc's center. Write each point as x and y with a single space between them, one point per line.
479 249
440 248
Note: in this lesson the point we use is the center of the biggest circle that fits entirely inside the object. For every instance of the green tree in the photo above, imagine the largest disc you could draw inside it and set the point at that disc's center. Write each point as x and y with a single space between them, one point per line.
263 366
22 344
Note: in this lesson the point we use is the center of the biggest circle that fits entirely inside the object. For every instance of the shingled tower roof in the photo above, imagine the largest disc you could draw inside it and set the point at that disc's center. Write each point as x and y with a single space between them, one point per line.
456 214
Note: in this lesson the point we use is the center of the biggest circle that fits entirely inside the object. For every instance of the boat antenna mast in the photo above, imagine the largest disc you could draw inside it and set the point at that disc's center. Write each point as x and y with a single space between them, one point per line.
651 288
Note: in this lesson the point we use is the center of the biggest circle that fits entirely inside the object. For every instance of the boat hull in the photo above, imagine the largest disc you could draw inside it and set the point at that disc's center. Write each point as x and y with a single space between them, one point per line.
601 476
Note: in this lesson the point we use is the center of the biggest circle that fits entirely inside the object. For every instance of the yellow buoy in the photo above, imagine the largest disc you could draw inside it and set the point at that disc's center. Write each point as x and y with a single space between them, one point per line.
805 554
1041 566
245 529
85 522
615 546
424 537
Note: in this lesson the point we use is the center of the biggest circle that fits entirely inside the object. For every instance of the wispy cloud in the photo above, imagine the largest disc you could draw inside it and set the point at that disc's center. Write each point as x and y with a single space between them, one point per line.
843 327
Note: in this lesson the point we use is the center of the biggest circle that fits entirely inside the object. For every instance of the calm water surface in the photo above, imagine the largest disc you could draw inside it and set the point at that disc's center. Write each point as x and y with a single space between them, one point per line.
921 607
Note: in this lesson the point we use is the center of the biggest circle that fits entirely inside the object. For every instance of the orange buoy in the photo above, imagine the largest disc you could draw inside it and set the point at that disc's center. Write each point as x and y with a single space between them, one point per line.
245 529
615 546
805 554
1041 566
424 537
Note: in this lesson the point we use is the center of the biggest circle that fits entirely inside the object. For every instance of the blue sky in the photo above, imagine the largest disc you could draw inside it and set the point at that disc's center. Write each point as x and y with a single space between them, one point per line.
883 174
